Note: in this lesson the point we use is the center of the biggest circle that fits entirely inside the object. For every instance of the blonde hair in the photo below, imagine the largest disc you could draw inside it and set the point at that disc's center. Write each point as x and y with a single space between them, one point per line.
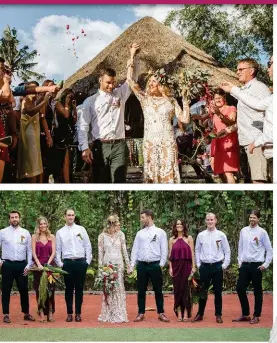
112 222
166 91
37 230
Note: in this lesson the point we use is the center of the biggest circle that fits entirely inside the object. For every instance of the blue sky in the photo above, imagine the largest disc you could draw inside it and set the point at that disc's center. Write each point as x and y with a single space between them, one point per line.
60 54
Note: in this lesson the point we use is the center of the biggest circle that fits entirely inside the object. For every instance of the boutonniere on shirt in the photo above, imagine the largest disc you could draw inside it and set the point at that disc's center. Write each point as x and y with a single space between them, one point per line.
116 102
218 243
257 240
79 235
154 239
22 239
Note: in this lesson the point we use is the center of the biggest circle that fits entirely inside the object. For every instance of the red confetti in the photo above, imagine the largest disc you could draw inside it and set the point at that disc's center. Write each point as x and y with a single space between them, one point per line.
67 27
82 31
73 39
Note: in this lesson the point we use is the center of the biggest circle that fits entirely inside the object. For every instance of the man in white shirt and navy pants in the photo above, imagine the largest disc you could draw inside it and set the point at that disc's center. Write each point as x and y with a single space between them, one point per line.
72 242
149 253
254 243
103 112
15 243
212 256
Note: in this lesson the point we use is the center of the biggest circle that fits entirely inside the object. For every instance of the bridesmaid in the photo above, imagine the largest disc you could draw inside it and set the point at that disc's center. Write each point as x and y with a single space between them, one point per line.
181 265
44 250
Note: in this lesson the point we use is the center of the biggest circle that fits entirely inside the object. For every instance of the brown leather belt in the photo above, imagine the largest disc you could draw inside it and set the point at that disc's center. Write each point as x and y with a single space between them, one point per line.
109 141
266 147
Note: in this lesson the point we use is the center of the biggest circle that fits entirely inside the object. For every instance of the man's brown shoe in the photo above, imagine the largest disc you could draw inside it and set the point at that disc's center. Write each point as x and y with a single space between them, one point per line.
197 318
28 317
162 317
69 318
242 319
78 318
6 319
255 320
139 317
219 320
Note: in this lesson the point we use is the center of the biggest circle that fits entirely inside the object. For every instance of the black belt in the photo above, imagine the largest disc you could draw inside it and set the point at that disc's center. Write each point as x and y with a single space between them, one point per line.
144 262
15 261
252 262
74 259
211 264
109 141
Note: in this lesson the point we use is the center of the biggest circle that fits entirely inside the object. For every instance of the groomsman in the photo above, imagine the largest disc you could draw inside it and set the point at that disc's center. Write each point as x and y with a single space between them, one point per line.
15 243
254 243
212 256
73 244
149 253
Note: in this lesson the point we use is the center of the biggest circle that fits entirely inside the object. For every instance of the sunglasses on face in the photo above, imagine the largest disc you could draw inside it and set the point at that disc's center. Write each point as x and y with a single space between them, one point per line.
269 64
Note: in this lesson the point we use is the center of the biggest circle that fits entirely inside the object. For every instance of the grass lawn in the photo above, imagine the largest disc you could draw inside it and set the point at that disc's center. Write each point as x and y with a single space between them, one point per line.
135 334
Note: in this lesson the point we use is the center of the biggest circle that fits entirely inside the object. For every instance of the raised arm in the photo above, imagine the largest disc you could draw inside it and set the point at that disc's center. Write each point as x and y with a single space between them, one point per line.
29 108
182 115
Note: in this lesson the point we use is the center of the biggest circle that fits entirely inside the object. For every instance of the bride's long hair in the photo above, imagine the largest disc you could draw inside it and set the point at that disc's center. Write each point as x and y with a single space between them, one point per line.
112 223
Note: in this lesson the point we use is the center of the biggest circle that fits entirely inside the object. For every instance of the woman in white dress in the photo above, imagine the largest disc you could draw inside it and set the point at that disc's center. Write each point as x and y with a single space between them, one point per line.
159 145
112 249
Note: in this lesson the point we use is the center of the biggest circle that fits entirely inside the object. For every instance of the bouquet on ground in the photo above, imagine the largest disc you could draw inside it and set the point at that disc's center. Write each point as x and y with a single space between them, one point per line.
107 279
49 278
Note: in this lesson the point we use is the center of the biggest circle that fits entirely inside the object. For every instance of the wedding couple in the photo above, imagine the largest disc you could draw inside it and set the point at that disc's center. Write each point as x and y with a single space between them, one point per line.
103 114
149 253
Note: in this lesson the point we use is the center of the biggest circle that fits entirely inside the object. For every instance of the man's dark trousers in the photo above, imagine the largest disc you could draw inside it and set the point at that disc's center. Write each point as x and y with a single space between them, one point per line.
152 271
110 161
211 272
13 270
74 280
249 272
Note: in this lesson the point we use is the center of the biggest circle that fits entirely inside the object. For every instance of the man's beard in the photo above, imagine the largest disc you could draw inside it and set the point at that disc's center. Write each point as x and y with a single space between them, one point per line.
14 224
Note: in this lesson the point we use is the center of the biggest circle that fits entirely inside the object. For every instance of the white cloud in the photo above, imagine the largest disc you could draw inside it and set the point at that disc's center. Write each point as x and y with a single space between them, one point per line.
55 47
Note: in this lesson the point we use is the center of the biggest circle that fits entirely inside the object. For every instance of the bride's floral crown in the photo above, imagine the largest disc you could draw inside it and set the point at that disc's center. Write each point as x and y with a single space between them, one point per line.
162 77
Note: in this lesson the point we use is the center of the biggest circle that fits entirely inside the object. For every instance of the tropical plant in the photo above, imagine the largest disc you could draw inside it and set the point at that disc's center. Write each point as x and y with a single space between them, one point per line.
19 59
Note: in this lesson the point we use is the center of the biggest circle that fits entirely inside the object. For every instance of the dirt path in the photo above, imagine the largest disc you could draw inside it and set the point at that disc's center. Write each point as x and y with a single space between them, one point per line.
92 305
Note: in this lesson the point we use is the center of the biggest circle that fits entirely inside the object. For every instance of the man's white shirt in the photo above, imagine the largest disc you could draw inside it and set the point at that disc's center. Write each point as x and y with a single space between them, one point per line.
16 245
211 247
150 245
72 242
250 121
264 105
253 244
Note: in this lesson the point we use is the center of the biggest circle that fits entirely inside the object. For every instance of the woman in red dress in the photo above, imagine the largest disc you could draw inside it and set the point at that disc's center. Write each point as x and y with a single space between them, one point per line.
225 148
44 250
181 265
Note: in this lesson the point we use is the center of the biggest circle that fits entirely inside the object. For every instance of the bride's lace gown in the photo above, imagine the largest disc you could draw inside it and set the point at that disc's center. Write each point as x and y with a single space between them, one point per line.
160 151
112 249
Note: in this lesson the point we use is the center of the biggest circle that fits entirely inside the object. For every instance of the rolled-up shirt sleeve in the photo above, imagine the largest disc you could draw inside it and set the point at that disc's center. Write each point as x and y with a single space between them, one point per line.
83 126
164 249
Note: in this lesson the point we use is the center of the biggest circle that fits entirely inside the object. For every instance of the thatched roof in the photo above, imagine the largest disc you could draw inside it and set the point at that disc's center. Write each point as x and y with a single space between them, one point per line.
159 46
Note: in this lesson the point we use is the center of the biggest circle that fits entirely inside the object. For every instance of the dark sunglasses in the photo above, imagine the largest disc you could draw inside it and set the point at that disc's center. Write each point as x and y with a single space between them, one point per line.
269 64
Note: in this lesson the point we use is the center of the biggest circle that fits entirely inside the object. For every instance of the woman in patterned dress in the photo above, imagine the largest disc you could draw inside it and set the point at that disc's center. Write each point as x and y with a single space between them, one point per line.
111 249
159 145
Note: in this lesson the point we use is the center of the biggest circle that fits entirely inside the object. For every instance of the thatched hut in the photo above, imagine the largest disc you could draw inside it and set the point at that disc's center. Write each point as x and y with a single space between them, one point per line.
159 46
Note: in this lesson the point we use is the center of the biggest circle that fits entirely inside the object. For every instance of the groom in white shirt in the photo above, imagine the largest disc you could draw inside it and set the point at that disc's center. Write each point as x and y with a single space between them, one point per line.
103 113
149 253
15 243
254 243
73 244
212 256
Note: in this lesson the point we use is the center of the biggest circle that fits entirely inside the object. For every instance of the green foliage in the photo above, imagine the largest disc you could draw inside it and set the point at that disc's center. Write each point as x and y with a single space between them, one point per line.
227 35
20 60
93 207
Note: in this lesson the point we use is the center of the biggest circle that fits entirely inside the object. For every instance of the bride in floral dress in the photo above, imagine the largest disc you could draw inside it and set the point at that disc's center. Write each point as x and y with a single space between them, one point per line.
159 145
111 249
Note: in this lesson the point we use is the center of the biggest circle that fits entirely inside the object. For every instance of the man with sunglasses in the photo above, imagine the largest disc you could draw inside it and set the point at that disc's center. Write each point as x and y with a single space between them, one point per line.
264 139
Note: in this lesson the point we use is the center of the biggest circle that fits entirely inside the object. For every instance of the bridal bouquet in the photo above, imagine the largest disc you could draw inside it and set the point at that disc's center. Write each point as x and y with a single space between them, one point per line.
194 82
49 278
107 279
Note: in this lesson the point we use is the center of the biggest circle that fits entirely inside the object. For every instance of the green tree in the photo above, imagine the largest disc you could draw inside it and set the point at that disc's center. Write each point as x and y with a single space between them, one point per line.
247 31
19 59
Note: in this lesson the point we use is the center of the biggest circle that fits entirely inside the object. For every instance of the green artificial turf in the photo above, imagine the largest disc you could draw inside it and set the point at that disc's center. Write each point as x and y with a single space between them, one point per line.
135 334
